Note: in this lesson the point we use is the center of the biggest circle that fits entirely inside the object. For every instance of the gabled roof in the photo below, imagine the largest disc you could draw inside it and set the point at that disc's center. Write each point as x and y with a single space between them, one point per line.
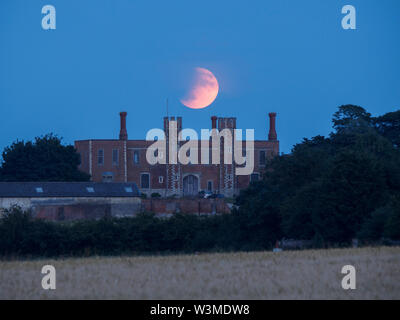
67 189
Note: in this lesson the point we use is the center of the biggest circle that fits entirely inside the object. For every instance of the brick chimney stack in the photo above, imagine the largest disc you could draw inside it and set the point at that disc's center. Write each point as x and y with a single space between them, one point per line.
213 122
272 132
123 134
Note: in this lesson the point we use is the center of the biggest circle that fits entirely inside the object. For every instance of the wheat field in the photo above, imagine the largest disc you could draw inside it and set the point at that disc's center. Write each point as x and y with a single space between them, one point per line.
311 274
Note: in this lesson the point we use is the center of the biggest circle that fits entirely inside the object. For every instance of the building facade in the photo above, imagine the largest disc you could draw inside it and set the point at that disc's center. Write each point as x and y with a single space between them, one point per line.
123 160
64 201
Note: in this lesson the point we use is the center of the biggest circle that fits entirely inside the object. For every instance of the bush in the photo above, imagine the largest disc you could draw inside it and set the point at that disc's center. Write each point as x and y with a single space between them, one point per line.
155 195
383 222
392 224
373 227
21 235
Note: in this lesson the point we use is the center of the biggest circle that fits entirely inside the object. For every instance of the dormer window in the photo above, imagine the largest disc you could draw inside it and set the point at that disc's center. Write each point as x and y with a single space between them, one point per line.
108 176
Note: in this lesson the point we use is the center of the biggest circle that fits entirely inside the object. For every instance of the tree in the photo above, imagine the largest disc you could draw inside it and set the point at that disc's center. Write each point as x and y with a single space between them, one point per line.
388 126
44 159
327 188
351 118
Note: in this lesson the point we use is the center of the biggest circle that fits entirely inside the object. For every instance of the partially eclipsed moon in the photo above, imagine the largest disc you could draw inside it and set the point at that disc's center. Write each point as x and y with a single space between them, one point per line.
204 90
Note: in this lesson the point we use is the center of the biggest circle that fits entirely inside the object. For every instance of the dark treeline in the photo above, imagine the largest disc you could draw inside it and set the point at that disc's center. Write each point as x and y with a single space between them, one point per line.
44 159
328 190
333 189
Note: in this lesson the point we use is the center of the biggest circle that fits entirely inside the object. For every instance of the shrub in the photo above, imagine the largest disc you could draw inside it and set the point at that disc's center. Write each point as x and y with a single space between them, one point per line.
373 227
155 195
21 235
392 224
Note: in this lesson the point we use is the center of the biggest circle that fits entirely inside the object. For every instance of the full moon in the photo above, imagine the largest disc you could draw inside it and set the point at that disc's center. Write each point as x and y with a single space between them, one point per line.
203 91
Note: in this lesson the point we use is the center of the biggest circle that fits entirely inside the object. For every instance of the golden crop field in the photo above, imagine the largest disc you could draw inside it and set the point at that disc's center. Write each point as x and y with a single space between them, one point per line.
311 274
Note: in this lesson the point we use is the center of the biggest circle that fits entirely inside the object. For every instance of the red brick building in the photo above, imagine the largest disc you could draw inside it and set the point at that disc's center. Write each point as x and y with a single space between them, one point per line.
123 160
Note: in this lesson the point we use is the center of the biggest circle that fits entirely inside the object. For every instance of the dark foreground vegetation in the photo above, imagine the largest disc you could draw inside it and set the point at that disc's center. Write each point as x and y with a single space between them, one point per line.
328 190
333 189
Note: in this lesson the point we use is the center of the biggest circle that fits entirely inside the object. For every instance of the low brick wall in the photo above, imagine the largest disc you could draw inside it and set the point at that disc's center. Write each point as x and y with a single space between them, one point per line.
72 211
186 206
76 209
66 209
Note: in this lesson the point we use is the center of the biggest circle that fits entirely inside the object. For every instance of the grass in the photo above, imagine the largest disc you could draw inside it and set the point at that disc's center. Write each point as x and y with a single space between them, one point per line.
311 274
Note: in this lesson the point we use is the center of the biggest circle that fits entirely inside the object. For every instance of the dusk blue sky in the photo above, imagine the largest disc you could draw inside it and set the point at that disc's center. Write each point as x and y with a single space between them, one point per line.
291 57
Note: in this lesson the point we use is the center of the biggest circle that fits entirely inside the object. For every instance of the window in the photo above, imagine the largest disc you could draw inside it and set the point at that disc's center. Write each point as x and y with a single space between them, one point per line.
209 186
128 189
39 190
90 189
254 177
100 157
80 159
115 158
136 157
160 179
145 180
108 176
262 158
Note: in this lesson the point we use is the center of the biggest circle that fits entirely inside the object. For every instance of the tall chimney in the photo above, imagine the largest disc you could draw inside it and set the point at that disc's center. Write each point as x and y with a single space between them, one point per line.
123 134
213 122
272 132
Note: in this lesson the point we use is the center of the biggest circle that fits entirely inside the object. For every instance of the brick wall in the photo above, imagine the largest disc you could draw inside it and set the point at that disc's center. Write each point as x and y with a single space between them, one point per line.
67 209
185 206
